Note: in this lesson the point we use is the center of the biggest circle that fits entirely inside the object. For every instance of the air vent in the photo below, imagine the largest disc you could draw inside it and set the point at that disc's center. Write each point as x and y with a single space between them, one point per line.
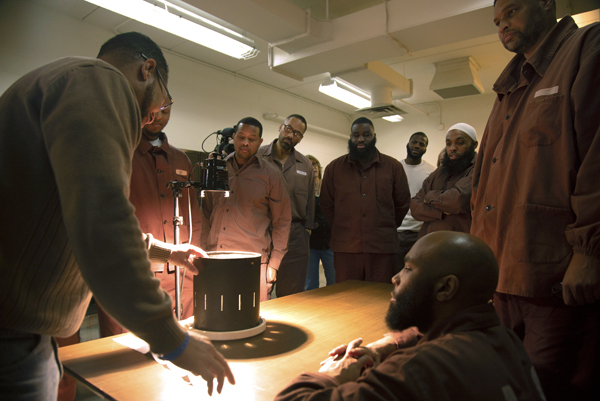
456 78
381 110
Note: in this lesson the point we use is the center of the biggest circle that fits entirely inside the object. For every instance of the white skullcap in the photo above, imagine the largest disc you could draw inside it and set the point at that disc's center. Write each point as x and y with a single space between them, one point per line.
466 128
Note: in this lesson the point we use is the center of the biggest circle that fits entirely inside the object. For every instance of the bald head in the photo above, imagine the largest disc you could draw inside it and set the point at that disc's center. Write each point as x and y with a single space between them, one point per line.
469 259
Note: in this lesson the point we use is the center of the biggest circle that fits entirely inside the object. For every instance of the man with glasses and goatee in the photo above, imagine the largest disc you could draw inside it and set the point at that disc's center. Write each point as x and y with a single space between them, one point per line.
299 182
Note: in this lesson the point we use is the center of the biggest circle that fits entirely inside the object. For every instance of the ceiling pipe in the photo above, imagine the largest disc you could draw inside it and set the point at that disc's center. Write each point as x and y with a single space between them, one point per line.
288 40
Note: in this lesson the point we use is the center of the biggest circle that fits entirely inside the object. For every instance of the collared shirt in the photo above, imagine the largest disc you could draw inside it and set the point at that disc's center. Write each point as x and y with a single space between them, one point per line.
152 168
536 197
255 217
364 207
299 182
443 202
469 356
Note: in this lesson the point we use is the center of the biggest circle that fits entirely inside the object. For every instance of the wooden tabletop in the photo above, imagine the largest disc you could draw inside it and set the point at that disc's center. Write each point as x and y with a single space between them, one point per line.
301 330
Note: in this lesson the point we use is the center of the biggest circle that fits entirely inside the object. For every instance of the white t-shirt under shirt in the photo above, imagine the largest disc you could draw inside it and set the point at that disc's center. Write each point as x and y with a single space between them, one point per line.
416 174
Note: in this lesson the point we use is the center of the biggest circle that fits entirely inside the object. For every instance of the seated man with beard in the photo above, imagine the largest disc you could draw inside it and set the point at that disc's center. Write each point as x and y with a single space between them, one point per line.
464 353
443 203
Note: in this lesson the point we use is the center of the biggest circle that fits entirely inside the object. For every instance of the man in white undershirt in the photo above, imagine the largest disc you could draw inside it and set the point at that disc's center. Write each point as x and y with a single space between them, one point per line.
417 170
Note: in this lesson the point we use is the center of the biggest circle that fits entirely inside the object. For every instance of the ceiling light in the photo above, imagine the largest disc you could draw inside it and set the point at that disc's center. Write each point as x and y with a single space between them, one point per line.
396 118
213 36
345 92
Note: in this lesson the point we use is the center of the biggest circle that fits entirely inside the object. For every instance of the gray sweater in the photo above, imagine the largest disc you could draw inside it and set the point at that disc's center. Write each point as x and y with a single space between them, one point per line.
67 135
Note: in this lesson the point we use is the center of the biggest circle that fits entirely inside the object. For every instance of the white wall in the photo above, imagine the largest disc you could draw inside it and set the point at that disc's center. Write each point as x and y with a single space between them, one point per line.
207 99
474 110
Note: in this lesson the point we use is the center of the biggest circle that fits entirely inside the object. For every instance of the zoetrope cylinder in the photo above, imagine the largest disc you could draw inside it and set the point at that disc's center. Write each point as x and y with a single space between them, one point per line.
227 291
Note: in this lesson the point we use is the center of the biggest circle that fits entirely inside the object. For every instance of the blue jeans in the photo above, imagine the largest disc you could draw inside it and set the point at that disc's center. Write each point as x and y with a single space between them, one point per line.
29 367
312 275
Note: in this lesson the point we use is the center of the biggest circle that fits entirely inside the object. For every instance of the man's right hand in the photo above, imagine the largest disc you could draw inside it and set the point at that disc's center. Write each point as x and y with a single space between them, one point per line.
182 255
271 274
382 348
202 359
377 350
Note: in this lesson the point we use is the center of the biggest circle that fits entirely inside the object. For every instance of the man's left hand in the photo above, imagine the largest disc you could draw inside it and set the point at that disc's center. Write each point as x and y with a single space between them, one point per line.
346 368
581 283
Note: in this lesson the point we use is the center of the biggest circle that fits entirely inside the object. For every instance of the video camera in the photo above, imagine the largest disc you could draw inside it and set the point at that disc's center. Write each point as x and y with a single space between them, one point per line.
225 135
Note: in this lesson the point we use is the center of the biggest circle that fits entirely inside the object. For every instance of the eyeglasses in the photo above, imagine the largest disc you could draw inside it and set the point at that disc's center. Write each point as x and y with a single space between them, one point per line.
162 83
290 130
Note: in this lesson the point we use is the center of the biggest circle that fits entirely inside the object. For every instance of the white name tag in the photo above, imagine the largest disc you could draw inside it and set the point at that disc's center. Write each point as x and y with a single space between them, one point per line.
546 92
301 172
180 172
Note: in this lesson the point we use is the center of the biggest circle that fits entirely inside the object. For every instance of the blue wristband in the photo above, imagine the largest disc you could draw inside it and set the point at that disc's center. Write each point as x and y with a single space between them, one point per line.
178 351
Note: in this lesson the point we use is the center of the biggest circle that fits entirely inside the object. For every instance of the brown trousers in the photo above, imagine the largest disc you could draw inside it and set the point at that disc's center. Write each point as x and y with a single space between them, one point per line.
291 275
375 267
562 341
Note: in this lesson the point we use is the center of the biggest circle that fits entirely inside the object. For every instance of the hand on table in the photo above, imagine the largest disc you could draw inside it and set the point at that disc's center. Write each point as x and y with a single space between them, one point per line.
202 359
378 350
581 283
181 255
345 368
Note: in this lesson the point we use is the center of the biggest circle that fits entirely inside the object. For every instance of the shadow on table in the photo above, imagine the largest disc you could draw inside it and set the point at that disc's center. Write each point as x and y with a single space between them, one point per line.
278 338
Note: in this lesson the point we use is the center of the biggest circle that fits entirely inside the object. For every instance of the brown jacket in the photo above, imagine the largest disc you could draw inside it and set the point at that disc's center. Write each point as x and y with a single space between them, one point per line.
364 208
536 191
469 357
443 203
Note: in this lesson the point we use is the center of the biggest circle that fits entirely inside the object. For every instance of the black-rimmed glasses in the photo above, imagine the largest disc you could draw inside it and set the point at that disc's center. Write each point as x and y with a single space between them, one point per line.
290 130
162 83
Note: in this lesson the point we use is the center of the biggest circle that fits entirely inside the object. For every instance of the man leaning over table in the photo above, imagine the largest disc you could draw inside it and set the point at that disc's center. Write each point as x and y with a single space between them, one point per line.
70 128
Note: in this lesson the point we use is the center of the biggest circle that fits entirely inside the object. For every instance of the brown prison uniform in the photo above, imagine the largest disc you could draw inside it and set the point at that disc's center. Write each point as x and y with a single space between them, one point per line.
255 217
468 357
364 208
152 168
300 184
536 201
444 201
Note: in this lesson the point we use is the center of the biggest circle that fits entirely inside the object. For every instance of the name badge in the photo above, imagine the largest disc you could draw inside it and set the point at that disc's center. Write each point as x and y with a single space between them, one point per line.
180 172
301 172
546 92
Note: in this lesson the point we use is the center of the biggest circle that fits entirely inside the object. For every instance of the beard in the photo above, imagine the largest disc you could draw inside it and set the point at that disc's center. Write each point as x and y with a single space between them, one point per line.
459 165
365 154
414 307
410 156
286 145
527 38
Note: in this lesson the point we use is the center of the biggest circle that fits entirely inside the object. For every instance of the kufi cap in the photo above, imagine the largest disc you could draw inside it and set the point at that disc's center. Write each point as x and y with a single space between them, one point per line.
466 128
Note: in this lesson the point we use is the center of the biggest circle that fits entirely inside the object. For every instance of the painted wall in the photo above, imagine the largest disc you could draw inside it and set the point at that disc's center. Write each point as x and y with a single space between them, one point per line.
207 99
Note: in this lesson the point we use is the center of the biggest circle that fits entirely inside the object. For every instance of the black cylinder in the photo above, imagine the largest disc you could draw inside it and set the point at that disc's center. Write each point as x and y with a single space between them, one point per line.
227 291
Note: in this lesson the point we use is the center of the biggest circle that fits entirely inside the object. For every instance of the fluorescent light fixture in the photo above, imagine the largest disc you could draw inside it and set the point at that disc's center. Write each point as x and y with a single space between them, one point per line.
396 118
345 92
167 20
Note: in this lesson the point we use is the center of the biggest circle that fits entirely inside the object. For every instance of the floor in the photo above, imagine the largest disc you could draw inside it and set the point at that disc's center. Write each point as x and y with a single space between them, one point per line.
90 331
